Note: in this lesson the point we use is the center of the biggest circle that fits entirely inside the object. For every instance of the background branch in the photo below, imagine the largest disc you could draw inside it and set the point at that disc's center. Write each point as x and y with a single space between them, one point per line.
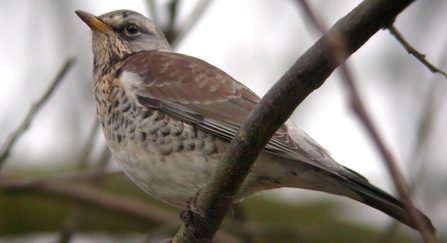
190 22
359 109
89 195
12 138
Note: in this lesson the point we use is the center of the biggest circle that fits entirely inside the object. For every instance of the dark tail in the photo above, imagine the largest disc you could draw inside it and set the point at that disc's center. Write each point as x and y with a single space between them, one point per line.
384 202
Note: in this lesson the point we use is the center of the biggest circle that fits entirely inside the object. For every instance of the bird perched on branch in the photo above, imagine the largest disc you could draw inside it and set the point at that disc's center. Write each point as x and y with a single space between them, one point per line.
168 119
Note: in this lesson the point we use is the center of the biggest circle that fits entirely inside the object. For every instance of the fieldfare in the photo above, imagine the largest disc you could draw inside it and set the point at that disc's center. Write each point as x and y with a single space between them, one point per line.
168 119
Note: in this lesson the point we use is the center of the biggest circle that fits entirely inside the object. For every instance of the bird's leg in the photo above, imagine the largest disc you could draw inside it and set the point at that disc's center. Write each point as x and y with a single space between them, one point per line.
187 214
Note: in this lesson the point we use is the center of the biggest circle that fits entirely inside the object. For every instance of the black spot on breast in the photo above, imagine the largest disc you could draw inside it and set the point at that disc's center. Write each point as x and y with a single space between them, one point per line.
166 130
116 104
199 143
167 149
126 107
179 147
145 114
118 138
293 173
120 120
177 129
143 136
189 145
114 117
132 127
118 73
209 148
194 133
153 129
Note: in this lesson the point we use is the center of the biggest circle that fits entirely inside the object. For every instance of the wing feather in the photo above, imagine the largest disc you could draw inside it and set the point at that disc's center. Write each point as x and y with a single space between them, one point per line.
195 91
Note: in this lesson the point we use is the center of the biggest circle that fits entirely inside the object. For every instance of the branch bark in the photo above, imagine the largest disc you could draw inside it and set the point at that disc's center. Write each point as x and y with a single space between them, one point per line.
307 74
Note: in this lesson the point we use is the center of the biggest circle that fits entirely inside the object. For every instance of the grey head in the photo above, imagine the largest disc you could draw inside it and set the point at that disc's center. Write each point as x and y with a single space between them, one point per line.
119 33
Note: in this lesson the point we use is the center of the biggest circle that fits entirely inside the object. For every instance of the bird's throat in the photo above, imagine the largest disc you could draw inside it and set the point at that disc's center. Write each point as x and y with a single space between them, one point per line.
107 51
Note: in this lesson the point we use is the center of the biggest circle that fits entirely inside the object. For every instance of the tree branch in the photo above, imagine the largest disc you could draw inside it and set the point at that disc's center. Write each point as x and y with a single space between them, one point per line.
190 22
76 187
12 138
412 51
307 74
61 188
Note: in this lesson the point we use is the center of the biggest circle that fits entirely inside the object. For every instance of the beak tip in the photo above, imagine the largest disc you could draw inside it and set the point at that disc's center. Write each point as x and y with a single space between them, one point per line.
92 21
79 13
82 14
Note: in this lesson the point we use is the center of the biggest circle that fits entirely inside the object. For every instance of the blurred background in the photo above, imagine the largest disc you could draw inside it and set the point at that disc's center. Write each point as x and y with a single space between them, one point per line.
255 41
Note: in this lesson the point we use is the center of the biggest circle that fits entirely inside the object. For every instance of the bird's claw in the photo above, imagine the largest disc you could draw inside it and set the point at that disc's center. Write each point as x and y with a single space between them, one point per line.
188 213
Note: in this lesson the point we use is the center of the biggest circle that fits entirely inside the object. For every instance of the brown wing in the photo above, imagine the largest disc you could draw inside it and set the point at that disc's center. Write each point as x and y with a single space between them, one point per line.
195 91
191 90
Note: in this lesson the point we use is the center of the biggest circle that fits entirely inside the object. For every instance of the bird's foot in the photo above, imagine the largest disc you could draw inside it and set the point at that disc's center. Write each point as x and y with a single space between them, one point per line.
188 213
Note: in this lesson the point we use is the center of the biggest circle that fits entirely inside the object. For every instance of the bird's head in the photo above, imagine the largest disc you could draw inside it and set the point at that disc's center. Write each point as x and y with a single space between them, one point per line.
119 33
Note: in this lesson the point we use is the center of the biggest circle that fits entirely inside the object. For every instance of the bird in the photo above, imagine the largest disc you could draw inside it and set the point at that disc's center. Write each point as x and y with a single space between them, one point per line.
168 119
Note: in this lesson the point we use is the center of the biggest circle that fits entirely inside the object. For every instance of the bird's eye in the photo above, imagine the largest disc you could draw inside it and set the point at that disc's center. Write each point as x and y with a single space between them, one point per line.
132 29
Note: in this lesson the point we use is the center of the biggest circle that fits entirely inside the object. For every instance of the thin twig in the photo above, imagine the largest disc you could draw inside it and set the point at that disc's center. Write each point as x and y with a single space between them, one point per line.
170 31
190 22
359 109
104 157
388 157
89 144
12 138
412 51
174 34
432 108
432 103
154 12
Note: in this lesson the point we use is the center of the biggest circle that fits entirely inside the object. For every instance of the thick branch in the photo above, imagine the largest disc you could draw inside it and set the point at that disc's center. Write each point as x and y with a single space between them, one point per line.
307 74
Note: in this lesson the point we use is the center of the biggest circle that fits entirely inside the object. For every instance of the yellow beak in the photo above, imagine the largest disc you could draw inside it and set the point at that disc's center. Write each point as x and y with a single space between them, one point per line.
93 22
